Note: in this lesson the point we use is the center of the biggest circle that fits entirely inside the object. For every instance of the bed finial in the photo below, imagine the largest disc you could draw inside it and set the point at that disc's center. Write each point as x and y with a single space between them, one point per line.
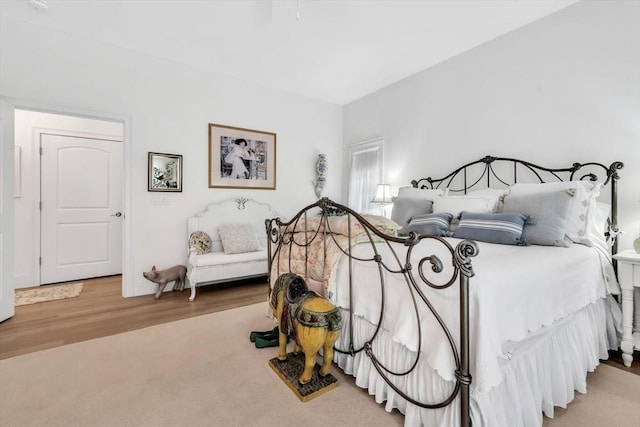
463 253
324 203
615 166
488 159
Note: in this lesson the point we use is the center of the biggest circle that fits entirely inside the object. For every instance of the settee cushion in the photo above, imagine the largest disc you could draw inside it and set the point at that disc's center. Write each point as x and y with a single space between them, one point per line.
220 258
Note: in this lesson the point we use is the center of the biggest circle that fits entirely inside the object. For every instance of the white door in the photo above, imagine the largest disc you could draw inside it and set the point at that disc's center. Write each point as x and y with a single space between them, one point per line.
81 219
6 211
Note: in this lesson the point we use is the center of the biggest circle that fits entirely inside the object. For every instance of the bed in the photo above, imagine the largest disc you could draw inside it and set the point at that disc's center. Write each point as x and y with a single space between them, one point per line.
486 298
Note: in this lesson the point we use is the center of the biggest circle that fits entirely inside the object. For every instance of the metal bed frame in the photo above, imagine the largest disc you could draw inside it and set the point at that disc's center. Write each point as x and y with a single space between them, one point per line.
490 170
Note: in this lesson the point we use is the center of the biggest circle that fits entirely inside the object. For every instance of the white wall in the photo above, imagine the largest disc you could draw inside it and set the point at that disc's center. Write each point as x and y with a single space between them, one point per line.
563 89
166 108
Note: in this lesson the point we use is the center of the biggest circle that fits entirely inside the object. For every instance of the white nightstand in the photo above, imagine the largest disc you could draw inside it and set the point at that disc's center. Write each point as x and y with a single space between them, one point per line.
628 276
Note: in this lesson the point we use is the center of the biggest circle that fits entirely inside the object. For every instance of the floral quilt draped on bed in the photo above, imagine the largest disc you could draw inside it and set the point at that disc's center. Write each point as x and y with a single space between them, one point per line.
312 246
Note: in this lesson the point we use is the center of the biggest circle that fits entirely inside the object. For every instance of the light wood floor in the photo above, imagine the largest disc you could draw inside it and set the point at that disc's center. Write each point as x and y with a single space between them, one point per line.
100 310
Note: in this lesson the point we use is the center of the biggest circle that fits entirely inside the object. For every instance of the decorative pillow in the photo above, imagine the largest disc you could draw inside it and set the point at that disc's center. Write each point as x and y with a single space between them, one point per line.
502 228
340 225
498 193
201 242
311 224
584 200
419 193
238 238
433 224
495 192
456 204
598 225
548 210
577 227
453 225
386 225
404 208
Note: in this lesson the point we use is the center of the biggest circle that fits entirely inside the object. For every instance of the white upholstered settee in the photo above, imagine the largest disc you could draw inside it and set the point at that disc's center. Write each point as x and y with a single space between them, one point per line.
227 241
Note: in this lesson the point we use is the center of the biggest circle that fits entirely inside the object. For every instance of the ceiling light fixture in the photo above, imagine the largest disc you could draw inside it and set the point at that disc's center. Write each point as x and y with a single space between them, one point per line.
39 4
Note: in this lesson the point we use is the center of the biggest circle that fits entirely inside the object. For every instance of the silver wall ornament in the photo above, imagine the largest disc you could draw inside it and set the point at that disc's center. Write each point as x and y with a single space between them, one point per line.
321 173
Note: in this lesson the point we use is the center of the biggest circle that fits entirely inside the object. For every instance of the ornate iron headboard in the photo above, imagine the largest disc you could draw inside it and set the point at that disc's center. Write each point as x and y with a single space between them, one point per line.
504 171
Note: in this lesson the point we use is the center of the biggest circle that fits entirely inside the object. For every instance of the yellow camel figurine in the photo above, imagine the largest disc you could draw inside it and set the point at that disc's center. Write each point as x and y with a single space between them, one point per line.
310 320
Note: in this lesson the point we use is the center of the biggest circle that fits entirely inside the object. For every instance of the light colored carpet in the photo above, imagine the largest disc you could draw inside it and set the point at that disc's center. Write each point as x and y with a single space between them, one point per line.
203 371
612 399
47 293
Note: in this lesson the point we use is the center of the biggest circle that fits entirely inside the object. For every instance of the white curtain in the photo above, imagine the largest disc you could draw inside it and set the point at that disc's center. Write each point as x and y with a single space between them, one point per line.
365 173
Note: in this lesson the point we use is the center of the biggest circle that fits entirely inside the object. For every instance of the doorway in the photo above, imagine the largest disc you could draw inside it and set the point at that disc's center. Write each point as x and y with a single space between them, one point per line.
80 209
69 215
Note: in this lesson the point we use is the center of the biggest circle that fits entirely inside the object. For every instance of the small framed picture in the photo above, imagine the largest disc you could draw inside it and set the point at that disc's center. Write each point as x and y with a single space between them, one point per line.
241 158
165 172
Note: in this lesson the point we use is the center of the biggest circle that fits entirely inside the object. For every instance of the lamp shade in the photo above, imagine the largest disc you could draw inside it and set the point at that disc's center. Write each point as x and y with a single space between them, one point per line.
383 194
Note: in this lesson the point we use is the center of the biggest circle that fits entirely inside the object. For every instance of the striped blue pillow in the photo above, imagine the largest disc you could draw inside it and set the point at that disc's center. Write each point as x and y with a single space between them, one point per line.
428 224
502 228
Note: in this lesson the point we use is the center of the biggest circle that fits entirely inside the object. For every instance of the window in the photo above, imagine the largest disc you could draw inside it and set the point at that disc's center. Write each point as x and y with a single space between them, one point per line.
365 173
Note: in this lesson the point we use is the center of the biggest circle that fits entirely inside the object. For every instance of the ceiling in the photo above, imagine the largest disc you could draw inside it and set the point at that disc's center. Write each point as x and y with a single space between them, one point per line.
330 50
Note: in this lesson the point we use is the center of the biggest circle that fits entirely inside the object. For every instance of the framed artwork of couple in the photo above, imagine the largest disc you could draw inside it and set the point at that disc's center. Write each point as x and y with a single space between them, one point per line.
241 158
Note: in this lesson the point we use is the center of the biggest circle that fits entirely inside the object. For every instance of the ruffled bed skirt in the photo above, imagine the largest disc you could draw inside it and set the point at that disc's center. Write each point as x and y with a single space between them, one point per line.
542 371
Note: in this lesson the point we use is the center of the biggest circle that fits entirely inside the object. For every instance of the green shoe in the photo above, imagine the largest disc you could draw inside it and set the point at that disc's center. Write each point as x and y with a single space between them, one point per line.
263 343
268 337
271 334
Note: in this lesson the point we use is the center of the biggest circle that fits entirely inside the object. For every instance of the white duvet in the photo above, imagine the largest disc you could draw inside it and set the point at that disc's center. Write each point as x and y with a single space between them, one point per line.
516 291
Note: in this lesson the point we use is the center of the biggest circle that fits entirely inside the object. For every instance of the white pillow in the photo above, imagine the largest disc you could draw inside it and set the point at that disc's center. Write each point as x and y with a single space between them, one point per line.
598 224
495 192
238 238
583 201
498 193
457 204
419 193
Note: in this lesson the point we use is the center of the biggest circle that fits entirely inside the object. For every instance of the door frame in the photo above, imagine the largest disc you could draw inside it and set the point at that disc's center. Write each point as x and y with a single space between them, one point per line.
127 200
7 121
